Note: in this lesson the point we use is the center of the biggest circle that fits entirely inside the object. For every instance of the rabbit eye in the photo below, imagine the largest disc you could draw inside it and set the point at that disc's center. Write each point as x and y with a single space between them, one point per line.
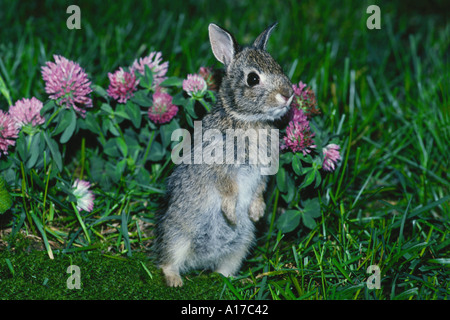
252 79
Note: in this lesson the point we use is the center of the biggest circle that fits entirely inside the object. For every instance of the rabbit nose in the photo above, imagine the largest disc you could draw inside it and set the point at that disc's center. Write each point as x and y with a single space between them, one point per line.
289 100
284 99
287 92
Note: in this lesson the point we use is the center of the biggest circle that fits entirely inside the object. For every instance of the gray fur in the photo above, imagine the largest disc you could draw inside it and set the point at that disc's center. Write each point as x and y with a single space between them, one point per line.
209 221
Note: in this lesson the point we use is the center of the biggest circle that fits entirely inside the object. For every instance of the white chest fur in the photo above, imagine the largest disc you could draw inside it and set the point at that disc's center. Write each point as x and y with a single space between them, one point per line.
248 178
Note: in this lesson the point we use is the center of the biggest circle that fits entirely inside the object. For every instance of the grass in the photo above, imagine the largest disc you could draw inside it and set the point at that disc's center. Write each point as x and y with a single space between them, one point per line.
386 92
102 277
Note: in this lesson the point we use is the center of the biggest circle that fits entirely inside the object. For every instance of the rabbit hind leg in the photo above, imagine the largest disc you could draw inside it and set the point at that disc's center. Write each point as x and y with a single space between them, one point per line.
231 263
171 268
172 275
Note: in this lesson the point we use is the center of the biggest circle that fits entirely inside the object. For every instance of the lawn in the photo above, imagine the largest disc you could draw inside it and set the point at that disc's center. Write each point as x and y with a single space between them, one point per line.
376 228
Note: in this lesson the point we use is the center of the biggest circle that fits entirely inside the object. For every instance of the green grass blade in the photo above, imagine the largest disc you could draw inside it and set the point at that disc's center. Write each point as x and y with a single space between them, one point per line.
43 234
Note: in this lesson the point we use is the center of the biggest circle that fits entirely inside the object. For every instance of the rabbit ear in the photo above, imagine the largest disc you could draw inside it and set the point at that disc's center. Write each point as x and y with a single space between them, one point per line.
261 41
223 45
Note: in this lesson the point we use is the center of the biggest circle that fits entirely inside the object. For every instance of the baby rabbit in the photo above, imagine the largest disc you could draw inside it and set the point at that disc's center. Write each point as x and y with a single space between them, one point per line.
211 209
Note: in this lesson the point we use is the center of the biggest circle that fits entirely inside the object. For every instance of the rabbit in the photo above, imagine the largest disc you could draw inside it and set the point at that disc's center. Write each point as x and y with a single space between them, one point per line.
212 208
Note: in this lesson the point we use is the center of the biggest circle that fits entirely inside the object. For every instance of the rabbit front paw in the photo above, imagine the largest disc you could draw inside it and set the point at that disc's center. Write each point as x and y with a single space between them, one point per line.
229 208
257 209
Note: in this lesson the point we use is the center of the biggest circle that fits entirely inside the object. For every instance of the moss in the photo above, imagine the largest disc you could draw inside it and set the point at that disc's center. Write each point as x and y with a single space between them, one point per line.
37 277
